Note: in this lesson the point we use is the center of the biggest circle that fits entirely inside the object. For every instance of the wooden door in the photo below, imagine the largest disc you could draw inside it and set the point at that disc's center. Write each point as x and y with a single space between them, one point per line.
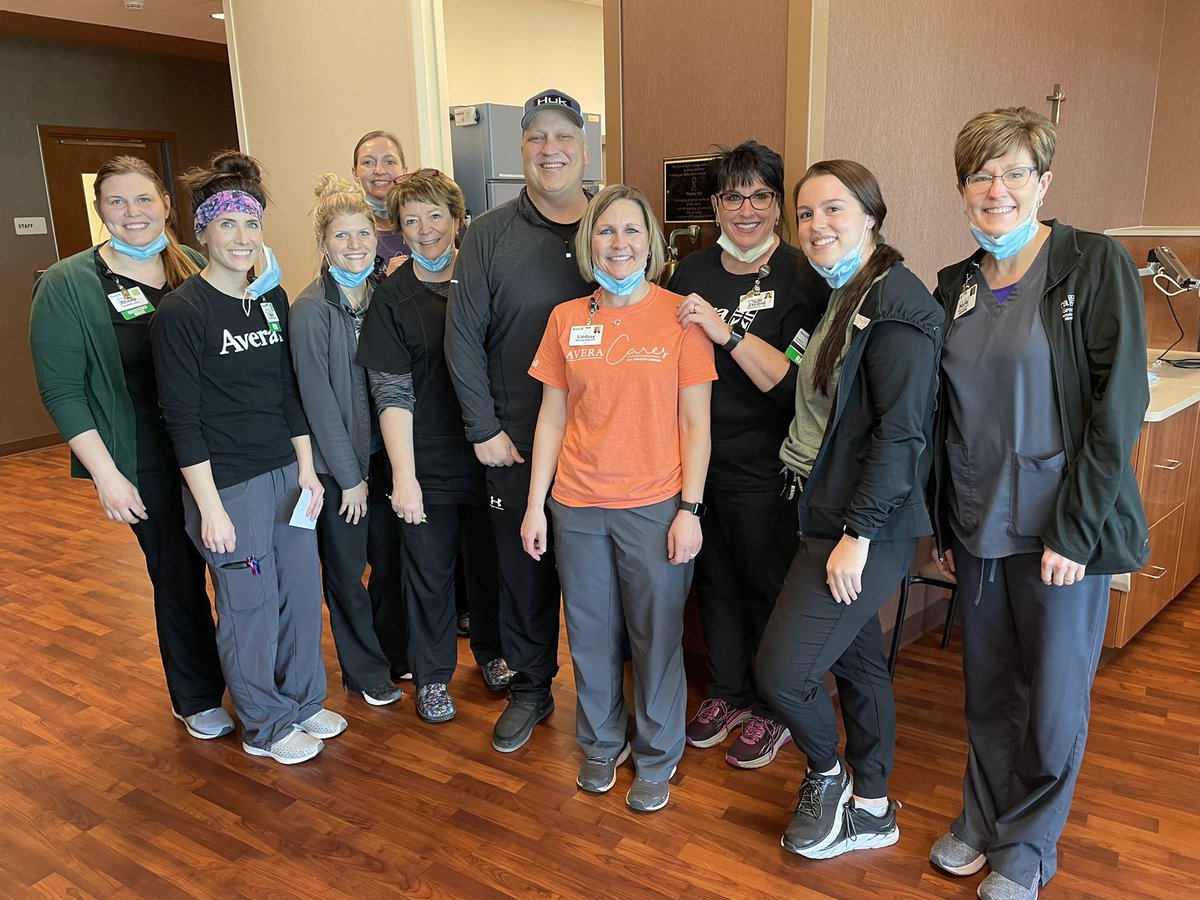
71 157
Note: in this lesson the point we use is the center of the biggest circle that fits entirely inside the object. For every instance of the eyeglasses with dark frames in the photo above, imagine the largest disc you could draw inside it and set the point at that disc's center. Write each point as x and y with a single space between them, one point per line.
733 200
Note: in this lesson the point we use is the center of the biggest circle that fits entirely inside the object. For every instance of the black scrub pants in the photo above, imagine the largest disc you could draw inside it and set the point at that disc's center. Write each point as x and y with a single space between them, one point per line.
749 542
345 549
432 554
1030 653
809 634
183 618
383 554
529 590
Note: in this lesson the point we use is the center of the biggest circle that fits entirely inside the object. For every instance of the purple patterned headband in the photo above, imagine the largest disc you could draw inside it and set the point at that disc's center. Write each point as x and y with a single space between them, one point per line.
224 202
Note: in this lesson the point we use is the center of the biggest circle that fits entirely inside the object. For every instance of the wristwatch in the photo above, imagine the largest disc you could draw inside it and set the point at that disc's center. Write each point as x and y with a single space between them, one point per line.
850 532
696 509
735 338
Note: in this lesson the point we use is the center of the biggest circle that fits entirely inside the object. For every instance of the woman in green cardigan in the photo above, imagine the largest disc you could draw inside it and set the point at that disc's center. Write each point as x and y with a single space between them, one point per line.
90 336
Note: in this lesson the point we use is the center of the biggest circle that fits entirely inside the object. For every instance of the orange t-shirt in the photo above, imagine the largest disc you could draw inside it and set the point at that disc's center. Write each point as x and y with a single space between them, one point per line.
622 376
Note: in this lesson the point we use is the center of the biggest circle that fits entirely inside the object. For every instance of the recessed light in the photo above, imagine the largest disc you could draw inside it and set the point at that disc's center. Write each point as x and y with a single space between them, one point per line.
218 16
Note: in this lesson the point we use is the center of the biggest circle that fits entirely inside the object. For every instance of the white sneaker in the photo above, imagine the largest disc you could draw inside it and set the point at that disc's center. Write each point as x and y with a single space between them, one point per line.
206 725
323 724
294 747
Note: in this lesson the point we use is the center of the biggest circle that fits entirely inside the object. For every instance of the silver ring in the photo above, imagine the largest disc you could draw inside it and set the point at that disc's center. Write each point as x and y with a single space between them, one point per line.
695 309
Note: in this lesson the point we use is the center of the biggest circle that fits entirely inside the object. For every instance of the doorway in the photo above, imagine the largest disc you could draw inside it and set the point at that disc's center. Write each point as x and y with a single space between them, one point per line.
71 157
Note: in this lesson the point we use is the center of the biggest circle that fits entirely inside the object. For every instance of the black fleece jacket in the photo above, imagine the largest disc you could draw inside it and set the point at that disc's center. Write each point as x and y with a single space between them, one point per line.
1094 316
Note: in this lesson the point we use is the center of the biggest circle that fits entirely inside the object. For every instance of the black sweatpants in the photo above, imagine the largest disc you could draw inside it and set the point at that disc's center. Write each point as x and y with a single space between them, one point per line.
749 542
809 634
529 591
183 617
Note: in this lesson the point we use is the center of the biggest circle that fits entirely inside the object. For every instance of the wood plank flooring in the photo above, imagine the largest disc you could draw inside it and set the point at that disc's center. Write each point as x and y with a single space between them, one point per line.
103 794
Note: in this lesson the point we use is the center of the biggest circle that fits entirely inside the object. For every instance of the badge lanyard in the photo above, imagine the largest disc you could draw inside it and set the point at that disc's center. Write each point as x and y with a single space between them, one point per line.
755 298
131 302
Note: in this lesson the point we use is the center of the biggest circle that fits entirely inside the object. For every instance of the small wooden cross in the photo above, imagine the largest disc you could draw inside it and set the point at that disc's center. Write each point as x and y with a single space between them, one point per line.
1057 99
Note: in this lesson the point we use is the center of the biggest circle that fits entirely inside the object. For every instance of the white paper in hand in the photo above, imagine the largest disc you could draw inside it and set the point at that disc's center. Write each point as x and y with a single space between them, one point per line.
299 517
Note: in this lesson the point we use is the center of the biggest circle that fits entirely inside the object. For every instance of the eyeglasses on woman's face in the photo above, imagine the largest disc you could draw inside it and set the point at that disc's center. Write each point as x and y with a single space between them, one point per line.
1013 179
733 200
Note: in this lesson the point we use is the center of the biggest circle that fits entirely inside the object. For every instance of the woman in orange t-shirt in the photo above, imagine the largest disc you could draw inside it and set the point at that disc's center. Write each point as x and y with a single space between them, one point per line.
623 435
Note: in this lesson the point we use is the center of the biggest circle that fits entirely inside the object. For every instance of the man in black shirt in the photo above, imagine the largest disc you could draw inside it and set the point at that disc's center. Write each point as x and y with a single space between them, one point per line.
517 262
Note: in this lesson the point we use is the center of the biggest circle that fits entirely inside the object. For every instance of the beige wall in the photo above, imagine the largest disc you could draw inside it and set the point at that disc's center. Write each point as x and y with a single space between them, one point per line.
303 100
903 77
505 51
1173 183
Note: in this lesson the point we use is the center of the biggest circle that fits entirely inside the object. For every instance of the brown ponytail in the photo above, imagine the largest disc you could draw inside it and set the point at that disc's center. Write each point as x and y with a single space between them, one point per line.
865 187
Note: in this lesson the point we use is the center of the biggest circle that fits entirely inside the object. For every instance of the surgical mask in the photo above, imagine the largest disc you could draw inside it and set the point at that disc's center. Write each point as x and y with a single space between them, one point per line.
268 280
349 279
153 248
1008 244
438 263
745 256
379 207
843 270
622 287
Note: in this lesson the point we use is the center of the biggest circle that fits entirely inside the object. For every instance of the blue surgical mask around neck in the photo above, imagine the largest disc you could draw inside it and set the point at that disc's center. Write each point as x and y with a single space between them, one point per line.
349 279
1010 244
438 263
622 287
843 270
379 207
268 280
745 256
153 248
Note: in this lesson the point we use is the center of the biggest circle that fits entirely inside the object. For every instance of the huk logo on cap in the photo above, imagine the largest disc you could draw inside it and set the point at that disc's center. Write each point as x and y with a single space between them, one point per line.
553 99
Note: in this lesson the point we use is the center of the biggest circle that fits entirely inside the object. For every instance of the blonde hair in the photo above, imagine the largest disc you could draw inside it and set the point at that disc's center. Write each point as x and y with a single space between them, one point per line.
177 265
600 203
337 197
992 134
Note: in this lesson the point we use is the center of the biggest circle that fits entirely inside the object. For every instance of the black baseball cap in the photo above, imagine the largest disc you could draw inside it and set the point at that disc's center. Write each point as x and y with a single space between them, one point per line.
552 99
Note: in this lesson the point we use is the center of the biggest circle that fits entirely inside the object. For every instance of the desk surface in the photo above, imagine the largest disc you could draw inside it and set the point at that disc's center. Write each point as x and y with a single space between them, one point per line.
1175 390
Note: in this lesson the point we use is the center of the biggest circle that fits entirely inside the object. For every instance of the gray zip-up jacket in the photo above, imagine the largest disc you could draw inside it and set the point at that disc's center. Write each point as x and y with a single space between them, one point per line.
333 388
512 269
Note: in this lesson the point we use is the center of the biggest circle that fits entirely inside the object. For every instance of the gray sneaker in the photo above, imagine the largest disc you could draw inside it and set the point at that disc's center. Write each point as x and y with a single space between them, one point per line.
649 796
324 724
206 725
956 857
598 773
294 747
997 887
515 724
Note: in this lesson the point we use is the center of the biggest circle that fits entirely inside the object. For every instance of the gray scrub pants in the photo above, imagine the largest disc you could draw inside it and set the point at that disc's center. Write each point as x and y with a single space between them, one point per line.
1030 653
269 624
617 583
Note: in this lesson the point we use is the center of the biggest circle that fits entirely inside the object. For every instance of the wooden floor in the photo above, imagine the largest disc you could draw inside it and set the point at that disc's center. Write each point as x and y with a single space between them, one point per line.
103 794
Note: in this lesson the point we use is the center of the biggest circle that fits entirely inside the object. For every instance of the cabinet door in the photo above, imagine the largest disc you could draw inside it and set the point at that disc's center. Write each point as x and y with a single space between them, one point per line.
1189 548
1153 587
1165 461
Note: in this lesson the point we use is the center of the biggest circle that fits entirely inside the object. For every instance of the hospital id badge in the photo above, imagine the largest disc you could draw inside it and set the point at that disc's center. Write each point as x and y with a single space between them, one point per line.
271 316
966 301
585 335
131 302
753 302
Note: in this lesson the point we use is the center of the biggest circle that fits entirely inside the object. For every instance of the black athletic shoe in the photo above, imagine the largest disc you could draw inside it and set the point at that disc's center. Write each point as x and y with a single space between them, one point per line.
819 811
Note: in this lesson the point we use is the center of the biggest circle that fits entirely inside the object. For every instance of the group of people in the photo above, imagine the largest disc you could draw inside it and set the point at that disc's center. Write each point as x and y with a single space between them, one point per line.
531 415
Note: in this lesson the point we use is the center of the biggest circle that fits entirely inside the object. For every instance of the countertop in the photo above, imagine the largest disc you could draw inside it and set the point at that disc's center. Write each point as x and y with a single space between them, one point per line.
1175 390
1155 231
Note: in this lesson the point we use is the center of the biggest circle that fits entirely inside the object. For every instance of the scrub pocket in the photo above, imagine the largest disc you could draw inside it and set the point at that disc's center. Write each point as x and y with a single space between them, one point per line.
1034 488
965 498
238 586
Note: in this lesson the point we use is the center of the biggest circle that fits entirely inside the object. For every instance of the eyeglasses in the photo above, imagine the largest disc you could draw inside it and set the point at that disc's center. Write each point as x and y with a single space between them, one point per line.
760 200
424 173
1013 178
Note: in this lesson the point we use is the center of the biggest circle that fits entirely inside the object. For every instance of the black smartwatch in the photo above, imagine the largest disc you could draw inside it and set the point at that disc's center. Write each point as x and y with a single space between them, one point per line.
696 509
735 338
851 533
